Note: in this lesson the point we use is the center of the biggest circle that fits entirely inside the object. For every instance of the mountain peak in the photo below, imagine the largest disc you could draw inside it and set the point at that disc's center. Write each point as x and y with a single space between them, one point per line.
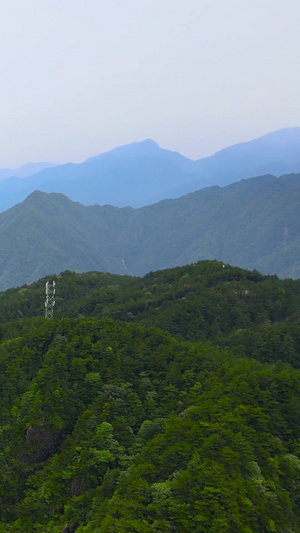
138 148
40 198
148 143
146 147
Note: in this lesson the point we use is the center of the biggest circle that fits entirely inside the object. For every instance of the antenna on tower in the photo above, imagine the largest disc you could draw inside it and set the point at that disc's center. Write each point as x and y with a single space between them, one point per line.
50 302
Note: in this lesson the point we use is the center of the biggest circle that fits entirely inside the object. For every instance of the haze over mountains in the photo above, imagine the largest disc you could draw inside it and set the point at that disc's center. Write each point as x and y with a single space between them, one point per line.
142 173
24 171
254 223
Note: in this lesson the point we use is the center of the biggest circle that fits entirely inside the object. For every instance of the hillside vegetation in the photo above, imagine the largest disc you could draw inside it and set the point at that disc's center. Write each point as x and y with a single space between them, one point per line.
253 224
168 403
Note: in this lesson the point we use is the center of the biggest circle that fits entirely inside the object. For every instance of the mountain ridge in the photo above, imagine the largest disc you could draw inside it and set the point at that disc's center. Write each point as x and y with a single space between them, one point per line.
253 224
142 173
24 171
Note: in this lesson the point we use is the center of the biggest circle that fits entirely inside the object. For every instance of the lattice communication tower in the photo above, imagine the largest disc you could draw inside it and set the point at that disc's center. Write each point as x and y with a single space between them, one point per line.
50 302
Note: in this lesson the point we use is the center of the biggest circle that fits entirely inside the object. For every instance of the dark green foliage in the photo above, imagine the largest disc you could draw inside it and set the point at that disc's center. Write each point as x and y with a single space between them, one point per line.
206 300
276 342
108 426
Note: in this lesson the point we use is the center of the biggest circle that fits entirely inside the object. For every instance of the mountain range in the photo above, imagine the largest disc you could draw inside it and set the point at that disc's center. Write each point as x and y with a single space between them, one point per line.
108 423
254 223
142 173
24 171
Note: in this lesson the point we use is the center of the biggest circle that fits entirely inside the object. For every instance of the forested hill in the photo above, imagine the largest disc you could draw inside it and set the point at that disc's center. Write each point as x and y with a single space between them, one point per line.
207 301
253 224
115 425
109 424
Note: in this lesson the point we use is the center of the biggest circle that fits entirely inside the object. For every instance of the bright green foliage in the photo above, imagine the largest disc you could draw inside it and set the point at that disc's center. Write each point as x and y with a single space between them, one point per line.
108 426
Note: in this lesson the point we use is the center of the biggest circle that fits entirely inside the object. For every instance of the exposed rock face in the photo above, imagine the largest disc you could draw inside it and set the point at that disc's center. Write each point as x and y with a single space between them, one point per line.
70 529
77 486
40 443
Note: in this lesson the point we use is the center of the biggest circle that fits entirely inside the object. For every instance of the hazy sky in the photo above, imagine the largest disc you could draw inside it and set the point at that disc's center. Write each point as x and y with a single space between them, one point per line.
79 77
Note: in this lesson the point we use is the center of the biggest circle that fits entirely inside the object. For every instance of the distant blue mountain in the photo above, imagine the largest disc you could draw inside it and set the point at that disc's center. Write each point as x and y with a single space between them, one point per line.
129 175
142 173
24 171
275 153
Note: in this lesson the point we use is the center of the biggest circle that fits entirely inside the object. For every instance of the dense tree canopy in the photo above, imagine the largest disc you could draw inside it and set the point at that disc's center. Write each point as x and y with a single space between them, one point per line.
164 404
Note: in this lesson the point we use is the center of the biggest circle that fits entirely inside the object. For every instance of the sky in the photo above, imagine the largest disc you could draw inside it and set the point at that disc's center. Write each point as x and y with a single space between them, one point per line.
80 77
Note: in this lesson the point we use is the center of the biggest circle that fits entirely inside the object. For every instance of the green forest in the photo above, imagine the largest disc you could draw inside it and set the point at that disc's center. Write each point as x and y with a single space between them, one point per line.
254 224
168 403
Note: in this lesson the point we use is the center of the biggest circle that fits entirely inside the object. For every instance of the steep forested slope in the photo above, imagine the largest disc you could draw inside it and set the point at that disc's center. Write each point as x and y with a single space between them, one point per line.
254 223
113 426
108 427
